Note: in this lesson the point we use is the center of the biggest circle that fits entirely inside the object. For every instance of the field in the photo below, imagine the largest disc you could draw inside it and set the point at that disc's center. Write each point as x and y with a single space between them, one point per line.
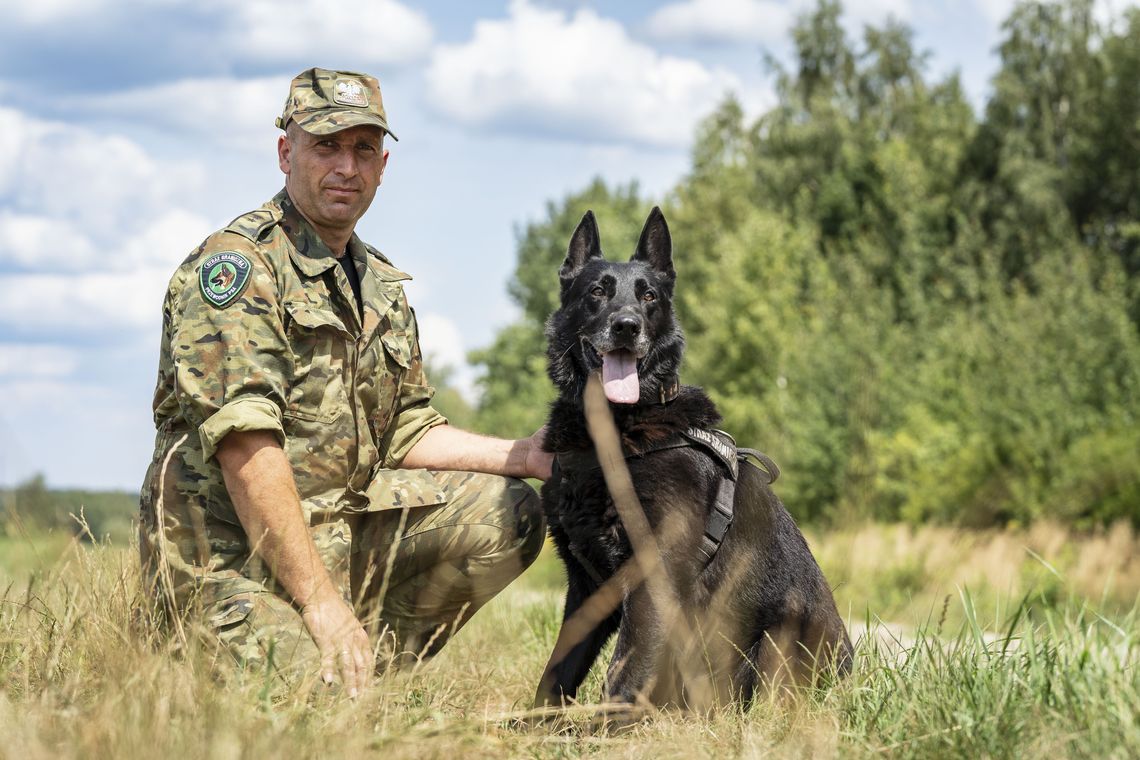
992 644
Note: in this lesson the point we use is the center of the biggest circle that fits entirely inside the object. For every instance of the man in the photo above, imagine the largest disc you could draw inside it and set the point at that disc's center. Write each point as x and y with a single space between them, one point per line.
303 494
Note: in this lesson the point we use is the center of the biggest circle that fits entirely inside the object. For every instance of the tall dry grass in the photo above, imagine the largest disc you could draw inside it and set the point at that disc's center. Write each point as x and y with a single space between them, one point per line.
1013 665
902 573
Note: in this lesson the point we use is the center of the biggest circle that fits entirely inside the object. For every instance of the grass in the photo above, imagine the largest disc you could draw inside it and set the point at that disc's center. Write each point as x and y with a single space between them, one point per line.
970 645
21 556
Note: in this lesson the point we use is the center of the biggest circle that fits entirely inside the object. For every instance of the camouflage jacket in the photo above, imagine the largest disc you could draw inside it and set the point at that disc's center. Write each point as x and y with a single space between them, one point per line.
285 349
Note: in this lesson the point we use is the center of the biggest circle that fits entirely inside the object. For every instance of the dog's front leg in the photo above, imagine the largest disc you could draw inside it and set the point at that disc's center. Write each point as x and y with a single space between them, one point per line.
579 641
635 666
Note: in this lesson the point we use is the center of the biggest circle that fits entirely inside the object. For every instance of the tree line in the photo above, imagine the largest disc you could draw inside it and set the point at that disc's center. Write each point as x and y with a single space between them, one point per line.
921 312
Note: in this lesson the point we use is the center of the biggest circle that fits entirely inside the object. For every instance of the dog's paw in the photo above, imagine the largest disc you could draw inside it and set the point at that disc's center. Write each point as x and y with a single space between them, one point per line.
549 714
617 718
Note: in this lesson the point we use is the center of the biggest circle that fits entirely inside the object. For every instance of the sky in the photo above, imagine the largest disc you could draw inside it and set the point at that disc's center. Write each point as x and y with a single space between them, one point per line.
131 129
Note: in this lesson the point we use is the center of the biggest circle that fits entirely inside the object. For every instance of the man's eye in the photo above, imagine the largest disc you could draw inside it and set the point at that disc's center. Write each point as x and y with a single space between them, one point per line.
366 147
648 295
598 291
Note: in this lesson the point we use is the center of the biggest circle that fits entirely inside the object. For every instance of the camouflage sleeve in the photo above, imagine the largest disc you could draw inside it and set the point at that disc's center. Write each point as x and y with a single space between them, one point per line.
414 413
231 355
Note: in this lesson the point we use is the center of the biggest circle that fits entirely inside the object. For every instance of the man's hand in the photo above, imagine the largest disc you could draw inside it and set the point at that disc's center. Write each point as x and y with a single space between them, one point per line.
260 482
449 448
538 463
342 642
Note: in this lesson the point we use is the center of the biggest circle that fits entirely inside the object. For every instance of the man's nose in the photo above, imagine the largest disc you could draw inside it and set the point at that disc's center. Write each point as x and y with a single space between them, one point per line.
346 163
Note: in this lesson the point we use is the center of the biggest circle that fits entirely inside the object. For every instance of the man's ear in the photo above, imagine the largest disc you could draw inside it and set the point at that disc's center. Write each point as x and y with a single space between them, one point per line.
284 153
585 244
656 246
383 166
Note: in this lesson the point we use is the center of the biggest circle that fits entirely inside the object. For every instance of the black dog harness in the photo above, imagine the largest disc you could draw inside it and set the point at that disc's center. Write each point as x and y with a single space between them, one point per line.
716 444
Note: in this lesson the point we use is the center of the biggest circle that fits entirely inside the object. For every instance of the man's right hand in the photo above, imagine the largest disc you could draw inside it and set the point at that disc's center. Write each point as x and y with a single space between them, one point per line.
260 482
342 642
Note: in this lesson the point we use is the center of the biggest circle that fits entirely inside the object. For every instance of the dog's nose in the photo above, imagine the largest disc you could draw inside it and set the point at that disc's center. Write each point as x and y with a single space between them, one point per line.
626 326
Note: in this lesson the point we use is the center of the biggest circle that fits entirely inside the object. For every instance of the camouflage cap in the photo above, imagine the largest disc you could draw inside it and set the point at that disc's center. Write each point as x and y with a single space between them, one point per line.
323 101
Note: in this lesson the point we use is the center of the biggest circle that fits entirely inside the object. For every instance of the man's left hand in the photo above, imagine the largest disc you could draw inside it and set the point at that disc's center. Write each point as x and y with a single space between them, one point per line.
538 462
448 448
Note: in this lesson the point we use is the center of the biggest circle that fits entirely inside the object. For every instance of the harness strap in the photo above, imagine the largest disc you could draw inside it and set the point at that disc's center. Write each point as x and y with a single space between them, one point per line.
720 519
718 443
719 446
761 462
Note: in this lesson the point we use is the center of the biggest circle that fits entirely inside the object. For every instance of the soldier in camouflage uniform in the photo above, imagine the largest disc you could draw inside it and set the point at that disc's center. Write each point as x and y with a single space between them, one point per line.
305 501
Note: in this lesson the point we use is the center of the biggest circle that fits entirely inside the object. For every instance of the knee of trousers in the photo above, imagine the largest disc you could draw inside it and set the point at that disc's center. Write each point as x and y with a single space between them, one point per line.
515 508
530 520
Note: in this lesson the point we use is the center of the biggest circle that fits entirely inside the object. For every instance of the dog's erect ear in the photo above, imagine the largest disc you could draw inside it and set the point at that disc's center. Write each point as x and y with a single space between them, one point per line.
656 247
584 245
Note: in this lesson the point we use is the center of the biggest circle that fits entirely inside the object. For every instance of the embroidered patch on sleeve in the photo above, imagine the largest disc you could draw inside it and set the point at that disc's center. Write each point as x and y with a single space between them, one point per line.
223 277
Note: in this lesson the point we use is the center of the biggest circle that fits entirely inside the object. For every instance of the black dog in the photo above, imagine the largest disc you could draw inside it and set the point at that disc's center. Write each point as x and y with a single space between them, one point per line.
754 607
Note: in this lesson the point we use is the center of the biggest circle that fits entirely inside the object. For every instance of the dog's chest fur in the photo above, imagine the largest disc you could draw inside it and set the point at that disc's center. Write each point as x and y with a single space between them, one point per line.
579 509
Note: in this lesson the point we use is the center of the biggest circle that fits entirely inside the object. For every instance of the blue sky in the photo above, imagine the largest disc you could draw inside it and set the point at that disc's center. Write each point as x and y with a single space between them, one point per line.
132 128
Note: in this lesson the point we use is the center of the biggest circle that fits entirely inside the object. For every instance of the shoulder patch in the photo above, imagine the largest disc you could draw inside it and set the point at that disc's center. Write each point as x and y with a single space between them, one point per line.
223 277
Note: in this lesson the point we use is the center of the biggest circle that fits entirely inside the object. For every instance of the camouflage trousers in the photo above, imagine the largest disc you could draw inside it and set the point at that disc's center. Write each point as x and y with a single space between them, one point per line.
414 576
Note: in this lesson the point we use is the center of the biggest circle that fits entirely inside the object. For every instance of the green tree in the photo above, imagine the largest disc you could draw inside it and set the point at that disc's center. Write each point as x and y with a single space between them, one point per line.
448 400
1058 156
921 315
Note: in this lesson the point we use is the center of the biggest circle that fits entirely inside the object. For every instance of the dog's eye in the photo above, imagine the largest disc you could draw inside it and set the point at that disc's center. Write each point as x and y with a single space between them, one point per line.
598 291
648 296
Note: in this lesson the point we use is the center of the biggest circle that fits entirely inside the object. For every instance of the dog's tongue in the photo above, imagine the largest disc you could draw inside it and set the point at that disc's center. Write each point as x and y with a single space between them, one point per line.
619 377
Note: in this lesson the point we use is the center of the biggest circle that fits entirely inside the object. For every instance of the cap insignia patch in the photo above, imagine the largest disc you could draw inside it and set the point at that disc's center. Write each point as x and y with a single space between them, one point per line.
223 277
350 92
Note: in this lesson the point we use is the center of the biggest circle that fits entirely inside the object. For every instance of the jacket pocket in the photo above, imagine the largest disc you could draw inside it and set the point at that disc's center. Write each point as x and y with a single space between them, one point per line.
320 344
227 613
397 489
398 346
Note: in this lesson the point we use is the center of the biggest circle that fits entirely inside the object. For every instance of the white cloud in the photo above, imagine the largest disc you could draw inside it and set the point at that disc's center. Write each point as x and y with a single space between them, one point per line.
442 343
33 398
163 239
381 31
43 12
711 21
579 77
75 433
36 360
995 11
235 112
104 302
92 225
124 291
104 185
1104 11
372 31
763 21
31 241
858 14
862 12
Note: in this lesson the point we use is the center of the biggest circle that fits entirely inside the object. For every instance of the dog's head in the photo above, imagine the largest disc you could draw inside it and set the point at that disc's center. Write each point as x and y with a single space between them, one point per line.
616 317
223 278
